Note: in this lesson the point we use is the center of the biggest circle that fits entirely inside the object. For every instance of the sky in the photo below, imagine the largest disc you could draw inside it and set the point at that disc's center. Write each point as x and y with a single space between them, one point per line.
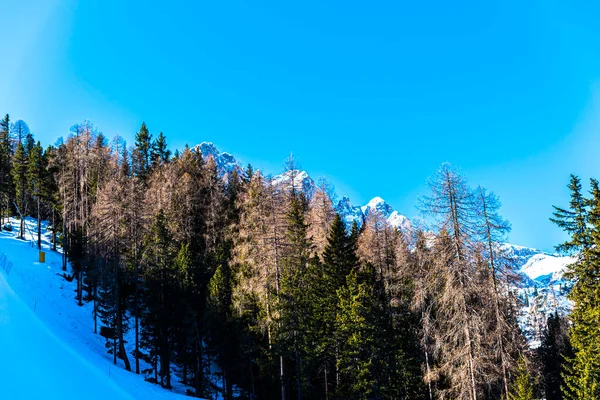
372 95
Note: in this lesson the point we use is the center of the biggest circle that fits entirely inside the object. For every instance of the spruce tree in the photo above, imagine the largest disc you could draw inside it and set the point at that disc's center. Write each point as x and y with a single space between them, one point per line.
574 219
19 175
582 379
522 388
357 323
36 177
142 153
160 300
160 153
326 278
553 352
6 154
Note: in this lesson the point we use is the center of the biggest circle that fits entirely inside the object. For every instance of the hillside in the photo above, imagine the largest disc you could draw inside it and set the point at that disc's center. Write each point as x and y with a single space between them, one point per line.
45 333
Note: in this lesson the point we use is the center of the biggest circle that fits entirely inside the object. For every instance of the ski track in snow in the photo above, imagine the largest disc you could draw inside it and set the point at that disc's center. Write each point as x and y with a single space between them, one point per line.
48 346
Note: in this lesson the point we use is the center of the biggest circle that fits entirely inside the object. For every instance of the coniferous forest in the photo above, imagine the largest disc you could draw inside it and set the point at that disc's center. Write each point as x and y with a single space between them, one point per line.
266 284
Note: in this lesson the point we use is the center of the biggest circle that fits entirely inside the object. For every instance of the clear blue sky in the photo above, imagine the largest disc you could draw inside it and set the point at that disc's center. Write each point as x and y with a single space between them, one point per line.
374 95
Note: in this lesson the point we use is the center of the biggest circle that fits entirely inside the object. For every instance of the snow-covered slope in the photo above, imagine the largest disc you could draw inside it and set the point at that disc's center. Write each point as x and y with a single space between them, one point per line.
48 348
302 182
543 289
226 163
36 364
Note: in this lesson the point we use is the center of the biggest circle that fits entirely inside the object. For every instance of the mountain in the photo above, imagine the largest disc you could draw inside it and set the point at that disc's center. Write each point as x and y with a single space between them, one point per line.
302 181
543 288
226 163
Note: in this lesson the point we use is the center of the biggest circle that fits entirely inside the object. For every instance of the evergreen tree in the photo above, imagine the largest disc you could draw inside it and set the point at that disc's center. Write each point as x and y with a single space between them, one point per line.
326 278
160 300
142 153
552 354
36 177
357 324
19 173
160 153
20 132
293 288
522 388
574 219
582 380
5 168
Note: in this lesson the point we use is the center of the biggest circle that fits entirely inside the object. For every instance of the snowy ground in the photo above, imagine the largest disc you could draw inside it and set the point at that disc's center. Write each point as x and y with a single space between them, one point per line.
544 292
48 347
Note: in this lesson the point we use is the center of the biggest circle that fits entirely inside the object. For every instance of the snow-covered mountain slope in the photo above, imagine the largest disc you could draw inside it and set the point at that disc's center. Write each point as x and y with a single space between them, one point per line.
31 353
543 290
45 335
302 182
226 163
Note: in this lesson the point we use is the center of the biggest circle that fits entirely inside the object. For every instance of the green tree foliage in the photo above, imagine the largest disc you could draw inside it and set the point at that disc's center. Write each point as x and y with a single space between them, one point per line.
522 388
574 219
553 352
19 175
160 153
357 324
160 299
6 154
142 153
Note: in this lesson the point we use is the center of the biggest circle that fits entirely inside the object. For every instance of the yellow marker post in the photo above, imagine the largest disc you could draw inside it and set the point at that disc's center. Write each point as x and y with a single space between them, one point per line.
42 257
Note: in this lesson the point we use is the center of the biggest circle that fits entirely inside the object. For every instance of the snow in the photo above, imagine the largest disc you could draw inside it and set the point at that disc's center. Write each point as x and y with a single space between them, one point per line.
542 265
49 349
544 289
373 204
302 181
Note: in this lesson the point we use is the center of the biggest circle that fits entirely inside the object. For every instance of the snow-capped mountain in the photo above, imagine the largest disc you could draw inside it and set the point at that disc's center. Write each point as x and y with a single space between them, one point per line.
543 289
350 213
354 213
226 163
302 181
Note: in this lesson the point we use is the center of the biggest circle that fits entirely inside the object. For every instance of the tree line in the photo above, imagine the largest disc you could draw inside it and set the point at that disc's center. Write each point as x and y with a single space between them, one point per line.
239 284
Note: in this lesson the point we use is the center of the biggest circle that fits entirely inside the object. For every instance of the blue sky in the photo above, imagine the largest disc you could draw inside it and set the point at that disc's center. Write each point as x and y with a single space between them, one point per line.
373 95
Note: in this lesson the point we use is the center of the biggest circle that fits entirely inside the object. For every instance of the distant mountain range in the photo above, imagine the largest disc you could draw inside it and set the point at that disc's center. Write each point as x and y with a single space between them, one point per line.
543 289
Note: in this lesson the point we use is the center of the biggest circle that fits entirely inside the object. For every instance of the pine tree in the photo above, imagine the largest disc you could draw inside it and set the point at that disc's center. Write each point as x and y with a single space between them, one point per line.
582 379
36 177
6 154
160 153
356 324
20 131
552 354
291 299
160 299
142 154
522 388
325 279
574 219
19 172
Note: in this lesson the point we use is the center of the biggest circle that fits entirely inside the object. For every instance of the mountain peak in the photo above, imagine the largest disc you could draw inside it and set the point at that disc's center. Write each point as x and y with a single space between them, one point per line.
226 163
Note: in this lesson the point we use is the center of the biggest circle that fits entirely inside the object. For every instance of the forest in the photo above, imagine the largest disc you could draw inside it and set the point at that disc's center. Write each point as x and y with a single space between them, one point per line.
267 284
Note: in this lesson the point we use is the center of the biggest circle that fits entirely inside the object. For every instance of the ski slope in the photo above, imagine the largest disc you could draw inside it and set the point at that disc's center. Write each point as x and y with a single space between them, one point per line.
48 349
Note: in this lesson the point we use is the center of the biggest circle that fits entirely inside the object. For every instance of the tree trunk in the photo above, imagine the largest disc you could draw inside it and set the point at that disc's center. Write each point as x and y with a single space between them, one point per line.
298 375
39 224
53 229
281 378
